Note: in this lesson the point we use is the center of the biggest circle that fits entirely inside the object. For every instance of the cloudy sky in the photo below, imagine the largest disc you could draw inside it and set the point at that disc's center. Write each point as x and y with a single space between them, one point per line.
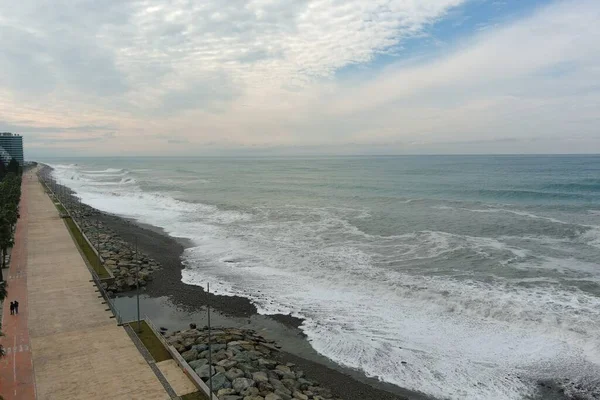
214 77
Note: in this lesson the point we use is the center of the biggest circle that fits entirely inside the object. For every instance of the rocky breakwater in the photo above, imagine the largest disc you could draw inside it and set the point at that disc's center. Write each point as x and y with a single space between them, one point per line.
244 366
119 255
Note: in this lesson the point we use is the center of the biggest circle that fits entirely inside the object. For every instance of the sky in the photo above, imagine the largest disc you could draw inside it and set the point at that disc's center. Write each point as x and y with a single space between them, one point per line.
295 77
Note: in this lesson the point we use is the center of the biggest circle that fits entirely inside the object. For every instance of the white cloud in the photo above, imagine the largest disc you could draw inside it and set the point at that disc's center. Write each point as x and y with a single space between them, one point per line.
262 72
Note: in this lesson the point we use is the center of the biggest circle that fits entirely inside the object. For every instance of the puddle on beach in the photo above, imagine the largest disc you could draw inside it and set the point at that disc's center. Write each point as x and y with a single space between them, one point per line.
163 313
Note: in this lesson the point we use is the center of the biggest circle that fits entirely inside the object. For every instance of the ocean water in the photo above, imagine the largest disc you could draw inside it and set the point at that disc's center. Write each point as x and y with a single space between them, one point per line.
464 277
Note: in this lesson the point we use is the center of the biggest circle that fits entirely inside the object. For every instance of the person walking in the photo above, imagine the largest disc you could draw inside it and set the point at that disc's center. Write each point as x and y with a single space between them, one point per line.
12 308
16 307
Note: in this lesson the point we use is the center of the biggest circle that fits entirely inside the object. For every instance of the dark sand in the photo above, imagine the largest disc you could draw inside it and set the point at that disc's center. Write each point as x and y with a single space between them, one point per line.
233 311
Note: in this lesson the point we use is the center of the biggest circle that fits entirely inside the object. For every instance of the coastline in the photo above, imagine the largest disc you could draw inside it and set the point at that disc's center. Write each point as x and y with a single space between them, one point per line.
167 298
170 303
233 311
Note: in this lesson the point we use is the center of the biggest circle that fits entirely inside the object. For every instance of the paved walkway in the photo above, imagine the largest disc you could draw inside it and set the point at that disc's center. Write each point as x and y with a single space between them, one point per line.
16 368
78 351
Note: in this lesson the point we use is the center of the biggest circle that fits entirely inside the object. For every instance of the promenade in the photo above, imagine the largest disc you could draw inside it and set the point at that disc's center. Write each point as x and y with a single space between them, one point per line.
63 345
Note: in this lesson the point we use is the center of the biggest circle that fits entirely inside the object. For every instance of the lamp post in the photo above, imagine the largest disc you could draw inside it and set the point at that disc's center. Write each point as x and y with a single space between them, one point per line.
210 385
137 284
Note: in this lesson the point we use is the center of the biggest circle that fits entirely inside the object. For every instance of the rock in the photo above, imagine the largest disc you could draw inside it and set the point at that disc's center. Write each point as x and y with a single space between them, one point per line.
238 343
231 397
220 356
270 364
304 384
190 355
278 386
260 376
203 371
220 369
320 391
200 347
246 368
218 347
188 343
286 375
242 358
291 384
241 384
198 363
234 373
264 388
225 392
254 398
251 391
273 396
300 396
220 381
283 395
227 364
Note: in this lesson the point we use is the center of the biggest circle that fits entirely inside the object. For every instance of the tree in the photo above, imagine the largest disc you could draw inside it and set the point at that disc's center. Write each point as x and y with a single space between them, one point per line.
14 167
2 169
10 195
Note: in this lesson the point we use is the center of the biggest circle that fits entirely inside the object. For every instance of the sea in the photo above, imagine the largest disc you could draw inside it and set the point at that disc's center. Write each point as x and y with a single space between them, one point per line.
462 277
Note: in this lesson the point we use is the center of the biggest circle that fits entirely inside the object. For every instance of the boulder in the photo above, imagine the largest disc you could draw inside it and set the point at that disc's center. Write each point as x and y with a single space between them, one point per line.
200 347
304 384
251 391
270 364
225 392
283 395
227 364
278 386
217 347
220 381
198 363
300 396
190 355
273 396
290 384
234 373
246 367
203 372
260 376
264 388
241 384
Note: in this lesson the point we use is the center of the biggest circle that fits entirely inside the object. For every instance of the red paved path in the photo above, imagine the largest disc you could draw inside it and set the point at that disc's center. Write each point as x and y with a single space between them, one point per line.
16 368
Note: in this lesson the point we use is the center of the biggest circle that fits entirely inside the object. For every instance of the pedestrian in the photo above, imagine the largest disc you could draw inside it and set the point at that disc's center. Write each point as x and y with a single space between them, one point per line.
16 307
12 308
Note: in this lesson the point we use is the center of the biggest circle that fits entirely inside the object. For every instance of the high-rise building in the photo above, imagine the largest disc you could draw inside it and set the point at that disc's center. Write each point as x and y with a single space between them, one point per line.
11 146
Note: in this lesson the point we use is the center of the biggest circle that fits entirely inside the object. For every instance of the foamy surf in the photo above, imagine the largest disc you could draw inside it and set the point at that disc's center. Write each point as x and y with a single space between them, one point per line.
396 306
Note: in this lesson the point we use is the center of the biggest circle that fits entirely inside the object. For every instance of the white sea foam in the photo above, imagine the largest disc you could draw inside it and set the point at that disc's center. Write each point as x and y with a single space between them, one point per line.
515 212
451 338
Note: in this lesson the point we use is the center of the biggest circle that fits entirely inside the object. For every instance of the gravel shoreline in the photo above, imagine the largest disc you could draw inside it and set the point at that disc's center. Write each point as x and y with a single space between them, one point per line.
343 382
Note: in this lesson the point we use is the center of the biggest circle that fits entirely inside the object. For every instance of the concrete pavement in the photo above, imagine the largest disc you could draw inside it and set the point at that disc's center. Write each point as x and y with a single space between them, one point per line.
78 351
